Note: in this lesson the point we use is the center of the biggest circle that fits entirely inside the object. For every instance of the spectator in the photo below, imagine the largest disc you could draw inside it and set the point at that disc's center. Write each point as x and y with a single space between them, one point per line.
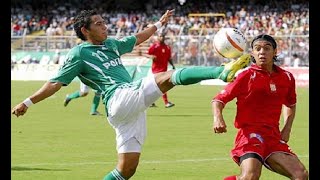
296 60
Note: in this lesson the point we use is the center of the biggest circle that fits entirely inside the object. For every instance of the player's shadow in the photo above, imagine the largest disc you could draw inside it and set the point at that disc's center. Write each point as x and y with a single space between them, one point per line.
21 168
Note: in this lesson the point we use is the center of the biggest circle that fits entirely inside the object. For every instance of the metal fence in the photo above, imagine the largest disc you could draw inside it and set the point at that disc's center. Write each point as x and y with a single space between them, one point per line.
186 49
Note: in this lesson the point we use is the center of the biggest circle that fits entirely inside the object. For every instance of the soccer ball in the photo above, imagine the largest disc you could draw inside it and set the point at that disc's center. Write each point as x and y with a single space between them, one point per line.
229 42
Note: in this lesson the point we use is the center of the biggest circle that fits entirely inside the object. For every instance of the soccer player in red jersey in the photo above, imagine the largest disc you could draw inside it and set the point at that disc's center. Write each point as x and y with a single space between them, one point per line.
161 56
262 90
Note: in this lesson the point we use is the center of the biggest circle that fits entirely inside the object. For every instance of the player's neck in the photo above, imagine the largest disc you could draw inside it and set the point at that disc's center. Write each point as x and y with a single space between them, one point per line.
94 42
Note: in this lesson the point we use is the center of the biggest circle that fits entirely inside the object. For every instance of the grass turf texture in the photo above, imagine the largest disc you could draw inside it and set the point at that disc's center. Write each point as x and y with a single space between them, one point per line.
54 142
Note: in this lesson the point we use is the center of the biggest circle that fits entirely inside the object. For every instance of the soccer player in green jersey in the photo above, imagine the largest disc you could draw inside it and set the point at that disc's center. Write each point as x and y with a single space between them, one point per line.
97 63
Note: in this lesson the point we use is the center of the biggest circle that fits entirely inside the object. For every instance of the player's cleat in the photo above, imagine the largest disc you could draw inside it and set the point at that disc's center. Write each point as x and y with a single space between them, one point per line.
153 105
95 113
169 105
233 66
66 101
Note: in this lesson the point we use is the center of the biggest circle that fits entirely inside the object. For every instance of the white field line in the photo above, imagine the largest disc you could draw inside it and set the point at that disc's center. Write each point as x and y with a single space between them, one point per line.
141 162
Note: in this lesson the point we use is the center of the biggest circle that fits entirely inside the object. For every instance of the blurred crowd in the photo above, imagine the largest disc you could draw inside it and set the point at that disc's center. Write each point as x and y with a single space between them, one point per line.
252 17
278 18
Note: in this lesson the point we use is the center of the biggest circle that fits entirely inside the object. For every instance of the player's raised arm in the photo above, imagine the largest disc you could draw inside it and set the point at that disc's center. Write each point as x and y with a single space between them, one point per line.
48 89
147 33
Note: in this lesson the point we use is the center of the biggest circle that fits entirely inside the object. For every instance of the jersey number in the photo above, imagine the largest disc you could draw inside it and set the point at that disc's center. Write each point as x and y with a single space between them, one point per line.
100 55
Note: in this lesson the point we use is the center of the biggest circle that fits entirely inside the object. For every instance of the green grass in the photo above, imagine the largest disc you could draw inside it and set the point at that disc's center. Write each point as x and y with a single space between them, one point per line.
53 142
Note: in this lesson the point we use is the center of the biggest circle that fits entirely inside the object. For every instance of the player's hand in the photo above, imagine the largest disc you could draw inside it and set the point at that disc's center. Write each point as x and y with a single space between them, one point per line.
219 126
19 110
165 18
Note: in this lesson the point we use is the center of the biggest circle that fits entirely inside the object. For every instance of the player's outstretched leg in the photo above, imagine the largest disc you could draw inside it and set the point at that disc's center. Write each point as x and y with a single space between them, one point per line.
226 72
232 67
66 100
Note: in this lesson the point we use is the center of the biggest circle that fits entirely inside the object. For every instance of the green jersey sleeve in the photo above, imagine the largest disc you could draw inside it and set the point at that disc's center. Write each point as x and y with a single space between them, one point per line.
125 44
70 69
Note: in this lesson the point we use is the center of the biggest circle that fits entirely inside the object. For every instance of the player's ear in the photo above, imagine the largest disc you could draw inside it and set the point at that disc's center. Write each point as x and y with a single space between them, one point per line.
275 52
84 30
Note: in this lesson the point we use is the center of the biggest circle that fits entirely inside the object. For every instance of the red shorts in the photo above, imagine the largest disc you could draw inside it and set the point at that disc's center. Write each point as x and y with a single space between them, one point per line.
261 141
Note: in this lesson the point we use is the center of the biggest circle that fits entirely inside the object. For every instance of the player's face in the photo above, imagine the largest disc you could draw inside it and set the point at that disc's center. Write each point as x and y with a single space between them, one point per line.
161 39
98 30
263 52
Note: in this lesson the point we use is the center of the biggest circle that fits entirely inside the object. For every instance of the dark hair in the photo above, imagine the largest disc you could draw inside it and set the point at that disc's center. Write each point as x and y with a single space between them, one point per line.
83 20
264 37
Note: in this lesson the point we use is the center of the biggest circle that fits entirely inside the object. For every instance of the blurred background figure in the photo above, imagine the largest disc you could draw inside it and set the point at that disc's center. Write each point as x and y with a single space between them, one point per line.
296 60
84 91
161 55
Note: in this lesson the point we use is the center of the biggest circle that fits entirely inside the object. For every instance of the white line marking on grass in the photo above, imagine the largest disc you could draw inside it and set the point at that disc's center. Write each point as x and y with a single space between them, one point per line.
141 162
106 162
184 160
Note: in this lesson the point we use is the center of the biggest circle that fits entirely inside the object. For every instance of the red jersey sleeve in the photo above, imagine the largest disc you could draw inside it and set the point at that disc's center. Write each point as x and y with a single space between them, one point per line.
292 96
231 90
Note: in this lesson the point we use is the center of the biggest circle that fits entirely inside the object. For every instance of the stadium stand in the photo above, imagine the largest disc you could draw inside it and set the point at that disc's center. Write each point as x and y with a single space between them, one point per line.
190 30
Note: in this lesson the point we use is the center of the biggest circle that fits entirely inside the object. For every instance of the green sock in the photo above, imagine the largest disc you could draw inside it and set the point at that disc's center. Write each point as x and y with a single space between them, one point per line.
74 95
114 175
95 102
192 75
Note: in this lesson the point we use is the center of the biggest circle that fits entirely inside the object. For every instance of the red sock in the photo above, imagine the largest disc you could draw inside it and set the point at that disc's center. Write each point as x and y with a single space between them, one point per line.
165 98
230 178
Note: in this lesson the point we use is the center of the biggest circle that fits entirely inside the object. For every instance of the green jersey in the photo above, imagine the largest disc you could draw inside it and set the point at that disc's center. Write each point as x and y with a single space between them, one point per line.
98 66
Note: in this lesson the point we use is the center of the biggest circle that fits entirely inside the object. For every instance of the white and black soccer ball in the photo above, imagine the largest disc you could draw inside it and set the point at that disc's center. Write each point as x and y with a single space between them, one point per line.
229 42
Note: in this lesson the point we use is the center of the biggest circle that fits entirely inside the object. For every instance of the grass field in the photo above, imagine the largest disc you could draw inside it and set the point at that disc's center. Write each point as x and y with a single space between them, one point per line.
53 142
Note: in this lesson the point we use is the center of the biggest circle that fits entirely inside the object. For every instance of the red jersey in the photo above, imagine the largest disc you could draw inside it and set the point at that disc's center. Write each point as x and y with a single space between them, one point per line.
260 96
162 53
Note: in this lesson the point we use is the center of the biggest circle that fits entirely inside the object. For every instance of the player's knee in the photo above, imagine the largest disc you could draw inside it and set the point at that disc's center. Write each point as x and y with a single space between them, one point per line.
250 175
163 80
128 171
301 175
164 75
82 94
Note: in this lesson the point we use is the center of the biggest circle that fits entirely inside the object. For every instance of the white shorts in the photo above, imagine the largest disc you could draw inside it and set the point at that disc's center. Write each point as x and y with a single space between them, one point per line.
127 110
131 145
84 88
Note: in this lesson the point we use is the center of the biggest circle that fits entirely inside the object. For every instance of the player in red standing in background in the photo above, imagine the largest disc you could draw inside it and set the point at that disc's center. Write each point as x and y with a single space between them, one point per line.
161 56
